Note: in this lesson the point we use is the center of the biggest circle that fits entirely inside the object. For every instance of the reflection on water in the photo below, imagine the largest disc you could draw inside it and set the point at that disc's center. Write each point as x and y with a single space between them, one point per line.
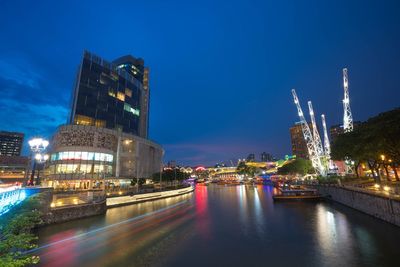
222 226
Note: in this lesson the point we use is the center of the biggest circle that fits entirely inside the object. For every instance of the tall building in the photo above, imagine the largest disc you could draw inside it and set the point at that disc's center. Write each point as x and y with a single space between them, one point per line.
11 143
337 130
266 157
106 144
112 95
299 145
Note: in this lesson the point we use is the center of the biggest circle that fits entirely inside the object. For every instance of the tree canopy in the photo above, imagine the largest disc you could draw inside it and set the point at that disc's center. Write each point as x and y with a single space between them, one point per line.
376 142
297 166
171 175
245 169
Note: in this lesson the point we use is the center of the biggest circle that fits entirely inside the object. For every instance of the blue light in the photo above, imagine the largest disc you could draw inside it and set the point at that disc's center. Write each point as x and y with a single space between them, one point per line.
9 199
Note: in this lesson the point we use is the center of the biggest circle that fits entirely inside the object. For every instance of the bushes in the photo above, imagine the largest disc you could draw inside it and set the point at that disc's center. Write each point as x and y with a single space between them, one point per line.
16 236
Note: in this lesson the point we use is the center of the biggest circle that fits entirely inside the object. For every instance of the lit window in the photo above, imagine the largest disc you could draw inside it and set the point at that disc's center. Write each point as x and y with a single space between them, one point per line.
128 92
121 96
83 120
111 92
100 123
128 108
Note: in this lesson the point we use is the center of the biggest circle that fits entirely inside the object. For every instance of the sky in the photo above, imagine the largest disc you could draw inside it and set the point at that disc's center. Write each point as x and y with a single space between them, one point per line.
221 72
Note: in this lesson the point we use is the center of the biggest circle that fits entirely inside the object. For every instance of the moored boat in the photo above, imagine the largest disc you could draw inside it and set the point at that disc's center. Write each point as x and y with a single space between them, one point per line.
297 194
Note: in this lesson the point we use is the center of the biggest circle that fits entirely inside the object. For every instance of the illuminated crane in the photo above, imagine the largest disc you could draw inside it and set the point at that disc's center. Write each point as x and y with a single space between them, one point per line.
347 116
317 138
327 145
308 137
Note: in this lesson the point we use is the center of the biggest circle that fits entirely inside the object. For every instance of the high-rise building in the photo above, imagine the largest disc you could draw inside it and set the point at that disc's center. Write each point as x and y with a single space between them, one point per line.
105 145
11 143
266 157
112 95
299 145
337 130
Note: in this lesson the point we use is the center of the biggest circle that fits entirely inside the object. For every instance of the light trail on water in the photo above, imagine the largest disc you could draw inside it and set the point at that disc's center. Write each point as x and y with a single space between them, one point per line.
104 228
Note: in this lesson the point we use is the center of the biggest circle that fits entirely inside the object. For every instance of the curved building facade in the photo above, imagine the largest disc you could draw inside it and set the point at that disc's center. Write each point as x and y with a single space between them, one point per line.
90 157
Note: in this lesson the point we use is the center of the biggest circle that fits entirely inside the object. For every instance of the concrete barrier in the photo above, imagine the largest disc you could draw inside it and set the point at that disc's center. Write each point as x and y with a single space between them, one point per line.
69 213
384 208
127 200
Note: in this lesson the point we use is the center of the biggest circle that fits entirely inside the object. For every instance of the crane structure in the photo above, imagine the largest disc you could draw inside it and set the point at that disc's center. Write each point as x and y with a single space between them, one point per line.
327 145
347 116
313 151
320 155
315 133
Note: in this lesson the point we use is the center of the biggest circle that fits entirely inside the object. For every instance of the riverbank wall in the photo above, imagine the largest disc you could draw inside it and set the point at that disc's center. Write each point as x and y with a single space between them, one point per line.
382 207
72 212
69 213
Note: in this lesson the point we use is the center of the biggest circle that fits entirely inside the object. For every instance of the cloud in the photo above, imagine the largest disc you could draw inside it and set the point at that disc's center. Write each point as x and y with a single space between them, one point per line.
29 103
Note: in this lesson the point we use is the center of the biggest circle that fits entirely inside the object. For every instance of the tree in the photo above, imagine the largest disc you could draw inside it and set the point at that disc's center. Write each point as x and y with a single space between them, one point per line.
375 142
245 169
297 166
170 175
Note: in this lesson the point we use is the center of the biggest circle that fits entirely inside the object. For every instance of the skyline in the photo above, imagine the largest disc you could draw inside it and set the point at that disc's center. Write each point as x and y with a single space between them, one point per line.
201 109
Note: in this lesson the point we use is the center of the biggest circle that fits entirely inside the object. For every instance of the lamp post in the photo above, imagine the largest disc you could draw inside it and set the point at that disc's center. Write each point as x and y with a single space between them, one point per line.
38 146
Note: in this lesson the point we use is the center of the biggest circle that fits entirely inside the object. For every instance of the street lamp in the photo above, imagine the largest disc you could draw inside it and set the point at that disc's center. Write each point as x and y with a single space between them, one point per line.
38 146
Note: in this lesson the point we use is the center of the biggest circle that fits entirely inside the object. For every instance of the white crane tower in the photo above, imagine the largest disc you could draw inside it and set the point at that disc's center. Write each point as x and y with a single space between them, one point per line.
347 116
317 138
308 137
327 145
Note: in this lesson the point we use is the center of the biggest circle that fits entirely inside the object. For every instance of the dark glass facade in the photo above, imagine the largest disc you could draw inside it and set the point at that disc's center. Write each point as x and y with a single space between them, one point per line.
110 95
11 143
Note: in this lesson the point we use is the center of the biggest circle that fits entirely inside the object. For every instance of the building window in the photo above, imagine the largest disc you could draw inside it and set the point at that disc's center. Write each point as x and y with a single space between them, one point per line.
128 108
128 92
78 155
100 123
83 120
111 92
121 96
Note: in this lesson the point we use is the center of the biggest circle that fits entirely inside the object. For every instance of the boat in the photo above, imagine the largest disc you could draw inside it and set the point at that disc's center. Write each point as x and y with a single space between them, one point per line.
297 194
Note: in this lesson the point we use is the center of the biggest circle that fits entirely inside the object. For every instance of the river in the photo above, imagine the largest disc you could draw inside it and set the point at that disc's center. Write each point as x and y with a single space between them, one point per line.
222 226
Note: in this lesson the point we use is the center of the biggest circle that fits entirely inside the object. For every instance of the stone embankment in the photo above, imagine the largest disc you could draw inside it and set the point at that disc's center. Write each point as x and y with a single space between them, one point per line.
386 208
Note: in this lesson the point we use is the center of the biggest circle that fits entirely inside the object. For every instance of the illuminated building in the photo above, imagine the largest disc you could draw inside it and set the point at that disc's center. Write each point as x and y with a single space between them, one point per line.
13 168
106 142
299 145
89 157
337 130
113 95
11 143
266 157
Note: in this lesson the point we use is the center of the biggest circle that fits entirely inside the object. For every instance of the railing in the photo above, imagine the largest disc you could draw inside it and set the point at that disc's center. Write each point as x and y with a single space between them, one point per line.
10 196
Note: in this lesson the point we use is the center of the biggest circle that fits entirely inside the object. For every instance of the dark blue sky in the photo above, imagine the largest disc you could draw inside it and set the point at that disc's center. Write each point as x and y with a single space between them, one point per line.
221 71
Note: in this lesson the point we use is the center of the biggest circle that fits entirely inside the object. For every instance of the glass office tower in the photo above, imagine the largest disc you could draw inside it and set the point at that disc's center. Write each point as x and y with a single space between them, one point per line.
112 95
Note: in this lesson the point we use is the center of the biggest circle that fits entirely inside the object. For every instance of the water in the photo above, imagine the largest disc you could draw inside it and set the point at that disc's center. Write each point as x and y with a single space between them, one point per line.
223 226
